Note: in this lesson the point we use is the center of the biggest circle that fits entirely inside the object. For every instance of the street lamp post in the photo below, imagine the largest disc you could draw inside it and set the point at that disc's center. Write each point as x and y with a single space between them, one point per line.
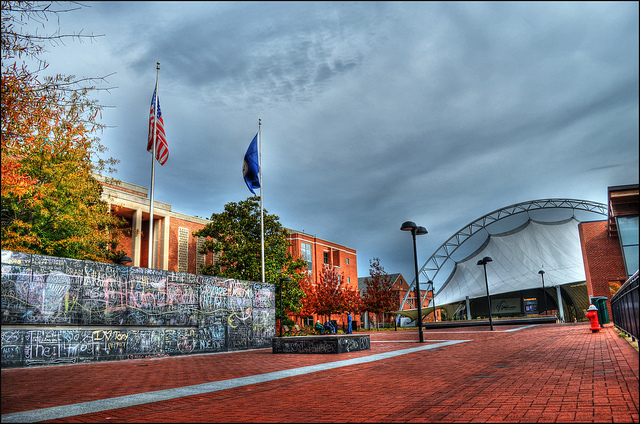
281 312
544 294
484 262
415 230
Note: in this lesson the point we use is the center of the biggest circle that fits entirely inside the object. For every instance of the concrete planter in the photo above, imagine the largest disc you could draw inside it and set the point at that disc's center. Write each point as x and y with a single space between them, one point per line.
335 343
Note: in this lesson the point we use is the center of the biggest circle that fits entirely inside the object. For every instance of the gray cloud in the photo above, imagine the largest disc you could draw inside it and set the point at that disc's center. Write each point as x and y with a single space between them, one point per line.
373 112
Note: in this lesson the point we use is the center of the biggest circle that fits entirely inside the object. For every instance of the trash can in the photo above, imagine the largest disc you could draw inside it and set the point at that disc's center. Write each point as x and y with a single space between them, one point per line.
603 313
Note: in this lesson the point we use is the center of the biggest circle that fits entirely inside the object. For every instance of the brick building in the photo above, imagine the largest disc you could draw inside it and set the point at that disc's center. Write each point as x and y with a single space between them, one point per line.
610 248
318 252
175 247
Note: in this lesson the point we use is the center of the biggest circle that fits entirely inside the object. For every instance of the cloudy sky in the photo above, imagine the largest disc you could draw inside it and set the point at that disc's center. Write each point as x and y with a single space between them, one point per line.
373 113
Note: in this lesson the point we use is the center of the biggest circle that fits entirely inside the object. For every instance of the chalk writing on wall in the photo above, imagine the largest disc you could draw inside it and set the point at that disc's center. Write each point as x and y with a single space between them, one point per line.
120 312
339 344
293 345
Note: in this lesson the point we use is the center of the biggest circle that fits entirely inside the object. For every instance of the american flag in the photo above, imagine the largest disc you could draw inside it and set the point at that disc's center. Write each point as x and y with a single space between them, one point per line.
162 151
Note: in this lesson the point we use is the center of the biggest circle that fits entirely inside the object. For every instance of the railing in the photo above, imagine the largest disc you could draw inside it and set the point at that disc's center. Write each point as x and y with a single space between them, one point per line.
625 306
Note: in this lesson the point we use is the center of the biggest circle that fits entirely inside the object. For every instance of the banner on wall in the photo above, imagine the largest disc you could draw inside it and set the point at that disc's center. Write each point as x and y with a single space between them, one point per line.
506 306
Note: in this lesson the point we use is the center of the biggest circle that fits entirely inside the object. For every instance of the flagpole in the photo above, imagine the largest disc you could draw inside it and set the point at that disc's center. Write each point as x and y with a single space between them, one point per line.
261 194
150 263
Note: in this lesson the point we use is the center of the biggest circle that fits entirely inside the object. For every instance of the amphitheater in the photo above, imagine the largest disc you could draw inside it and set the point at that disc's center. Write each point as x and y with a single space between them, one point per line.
522 240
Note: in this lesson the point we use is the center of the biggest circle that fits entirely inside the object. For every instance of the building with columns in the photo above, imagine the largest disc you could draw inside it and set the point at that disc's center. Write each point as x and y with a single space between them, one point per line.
175 248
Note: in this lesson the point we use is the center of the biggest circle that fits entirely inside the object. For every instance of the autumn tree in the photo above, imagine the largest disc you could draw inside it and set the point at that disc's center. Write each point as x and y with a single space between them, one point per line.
352 301
379 297
51 201
307 309
328 295
234 238
324 295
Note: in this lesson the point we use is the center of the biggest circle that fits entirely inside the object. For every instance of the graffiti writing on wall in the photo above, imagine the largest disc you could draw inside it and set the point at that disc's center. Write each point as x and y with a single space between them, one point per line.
181 313
321 344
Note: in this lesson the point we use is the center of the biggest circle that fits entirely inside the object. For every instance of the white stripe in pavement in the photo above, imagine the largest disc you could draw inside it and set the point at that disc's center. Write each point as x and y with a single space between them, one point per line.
403 341
65 411
466 331
520 328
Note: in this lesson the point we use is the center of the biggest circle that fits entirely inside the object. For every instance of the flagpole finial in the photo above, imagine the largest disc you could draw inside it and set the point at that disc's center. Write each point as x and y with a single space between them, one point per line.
259 121
157 65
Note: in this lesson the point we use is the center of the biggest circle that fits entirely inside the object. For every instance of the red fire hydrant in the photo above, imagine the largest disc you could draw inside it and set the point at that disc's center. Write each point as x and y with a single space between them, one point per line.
592 314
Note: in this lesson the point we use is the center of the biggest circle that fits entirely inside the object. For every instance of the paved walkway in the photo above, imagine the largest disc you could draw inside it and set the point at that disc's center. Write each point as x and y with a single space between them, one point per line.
542 373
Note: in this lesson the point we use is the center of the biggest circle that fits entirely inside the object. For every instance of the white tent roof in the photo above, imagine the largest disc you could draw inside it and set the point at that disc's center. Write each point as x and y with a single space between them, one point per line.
517 256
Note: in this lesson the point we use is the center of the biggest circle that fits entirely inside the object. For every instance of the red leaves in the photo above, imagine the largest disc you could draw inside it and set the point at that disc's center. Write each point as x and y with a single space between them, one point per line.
379 296
329 295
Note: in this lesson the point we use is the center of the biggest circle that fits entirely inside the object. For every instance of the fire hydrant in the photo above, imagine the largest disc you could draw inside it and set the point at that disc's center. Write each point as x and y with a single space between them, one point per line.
592 314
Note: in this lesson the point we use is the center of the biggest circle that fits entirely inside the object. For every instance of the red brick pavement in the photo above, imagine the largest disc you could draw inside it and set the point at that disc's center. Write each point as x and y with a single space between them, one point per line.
547 373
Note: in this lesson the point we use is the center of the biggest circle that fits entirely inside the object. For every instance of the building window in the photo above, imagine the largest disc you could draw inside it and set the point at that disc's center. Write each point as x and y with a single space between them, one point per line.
183 249
628 233
347 261
326 258
200 258
336 258
348 280
306 255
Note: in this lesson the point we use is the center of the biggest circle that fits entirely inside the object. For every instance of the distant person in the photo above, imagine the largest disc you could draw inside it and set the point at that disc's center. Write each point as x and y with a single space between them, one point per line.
349 331
319 327
329 327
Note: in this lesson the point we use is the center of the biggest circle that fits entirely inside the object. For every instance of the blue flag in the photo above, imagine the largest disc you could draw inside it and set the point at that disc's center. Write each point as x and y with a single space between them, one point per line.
251 167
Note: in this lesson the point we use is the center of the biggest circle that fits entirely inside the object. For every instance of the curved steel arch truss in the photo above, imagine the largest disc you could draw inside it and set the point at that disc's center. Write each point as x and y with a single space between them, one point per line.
442 255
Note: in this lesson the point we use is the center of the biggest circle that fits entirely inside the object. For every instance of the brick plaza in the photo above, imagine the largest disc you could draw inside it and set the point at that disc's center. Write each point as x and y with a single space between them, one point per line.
539 373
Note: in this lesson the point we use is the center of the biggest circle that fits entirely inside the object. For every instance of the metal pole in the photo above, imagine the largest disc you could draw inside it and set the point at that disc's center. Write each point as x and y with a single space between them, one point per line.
150 262
280 308
544 294
262 200
484 264
418 296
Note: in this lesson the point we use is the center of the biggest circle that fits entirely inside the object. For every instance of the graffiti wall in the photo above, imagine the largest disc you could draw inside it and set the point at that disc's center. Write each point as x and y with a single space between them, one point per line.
58 311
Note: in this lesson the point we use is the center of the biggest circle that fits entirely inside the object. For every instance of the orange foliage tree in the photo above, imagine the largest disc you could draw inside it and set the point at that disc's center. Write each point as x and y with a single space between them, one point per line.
51 201
379 297
306 309
328 296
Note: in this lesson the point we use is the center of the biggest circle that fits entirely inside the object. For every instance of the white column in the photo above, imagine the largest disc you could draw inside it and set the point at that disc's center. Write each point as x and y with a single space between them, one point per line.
164 250
136 238
560 308
156 241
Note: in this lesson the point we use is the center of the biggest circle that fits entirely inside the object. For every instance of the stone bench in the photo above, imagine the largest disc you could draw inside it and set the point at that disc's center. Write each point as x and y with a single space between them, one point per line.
329 343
